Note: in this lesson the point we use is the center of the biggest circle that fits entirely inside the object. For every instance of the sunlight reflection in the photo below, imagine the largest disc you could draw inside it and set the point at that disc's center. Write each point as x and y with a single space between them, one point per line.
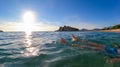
30 50
28 33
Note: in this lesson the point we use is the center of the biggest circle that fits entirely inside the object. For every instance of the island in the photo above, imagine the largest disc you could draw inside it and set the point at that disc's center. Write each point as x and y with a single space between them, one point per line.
1 31
67 28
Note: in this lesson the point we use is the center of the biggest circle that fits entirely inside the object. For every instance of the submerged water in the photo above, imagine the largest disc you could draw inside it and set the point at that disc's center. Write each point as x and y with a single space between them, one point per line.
42 49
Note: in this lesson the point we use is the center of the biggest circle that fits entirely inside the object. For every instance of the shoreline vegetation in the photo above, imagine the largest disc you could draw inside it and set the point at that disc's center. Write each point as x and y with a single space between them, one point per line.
115 28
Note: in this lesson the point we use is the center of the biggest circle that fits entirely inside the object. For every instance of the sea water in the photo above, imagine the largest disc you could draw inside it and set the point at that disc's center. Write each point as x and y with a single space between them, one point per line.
43 49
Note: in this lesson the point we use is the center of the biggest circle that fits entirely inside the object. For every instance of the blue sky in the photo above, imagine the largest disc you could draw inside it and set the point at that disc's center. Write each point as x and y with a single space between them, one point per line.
78 13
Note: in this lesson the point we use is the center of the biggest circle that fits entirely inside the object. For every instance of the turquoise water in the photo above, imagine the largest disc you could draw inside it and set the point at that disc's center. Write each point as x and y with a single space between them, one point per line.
42 49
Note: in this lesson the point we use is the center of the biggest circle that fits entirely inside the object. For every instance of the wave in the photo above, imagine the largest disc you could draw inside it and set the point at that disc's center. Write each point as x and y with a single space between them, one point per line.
43 49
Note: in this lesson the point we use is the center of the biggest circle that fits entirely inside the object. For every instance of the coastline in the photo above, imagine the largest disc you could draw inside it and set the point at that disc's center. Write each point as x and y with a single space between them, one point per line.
114 30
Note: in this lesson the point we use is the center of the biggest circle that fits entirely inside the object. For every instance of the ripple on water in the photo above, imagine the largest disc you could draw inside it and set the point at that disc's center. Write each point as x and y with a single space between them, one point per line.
46 51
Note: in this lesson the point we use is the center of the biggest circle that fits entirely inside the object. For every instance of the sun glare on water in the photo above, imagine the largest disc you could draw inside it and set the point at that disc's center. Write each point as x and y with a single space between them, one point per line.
28 22
28 25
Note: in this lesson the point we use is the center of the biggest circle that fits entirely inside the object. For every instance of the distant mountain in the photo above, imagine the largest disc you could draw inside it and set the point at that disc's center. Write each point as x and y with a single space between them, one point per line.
84 29
67 28
96 29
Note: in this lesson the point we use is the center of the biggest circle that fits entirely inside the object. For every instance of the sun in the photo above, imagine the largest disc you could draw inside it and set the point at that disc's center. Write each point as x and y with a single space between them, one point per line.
28 22
28 16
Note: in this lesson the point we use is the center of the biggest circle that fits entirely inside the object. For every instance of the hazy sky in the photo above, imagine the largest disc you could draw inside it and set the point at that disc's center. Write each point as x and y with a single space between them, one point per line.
50 14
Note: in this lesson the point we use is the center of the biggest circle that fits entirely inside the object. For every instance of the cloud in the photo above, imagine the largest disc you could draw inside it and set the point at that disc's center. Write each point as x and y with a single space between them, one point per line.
8 26
46 27
73 21
20 26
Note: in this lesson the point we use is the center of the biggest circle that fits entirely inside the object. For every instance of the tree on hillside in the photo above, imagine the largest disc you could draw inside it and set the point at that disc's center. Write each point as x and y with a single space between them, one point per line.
116 26
112 27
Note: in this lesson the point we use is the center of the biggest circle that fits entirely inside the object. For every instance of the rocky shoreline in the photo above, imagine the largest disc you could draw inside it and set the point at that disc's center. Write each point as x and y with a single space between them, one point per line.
1 31
67 28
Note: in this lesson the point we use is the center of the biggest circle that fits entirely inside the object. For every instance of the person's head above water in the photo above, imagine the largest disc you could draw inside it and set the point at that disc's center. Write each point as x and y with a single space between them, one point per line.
62 41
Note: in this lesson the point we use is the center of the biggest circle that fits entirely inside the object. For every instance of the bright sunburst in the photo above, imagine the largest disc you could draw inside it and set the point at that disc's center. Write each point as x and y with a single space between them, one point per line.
28 17
28 22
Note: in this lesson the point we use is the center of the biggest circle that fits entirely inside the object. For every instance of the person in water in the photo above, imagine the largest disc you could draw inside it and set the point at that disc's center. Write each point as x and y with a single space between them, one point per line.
112 51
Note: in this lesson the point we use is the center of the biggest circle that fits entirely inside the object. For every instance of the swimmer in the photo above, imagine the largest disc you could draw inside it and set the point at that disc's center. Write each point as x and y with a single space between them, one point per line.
113 51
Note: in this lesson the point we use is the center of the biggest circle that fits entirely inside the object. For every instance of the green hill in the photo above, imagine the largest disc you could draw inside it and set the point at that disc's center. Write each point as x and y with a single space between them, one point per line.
112 27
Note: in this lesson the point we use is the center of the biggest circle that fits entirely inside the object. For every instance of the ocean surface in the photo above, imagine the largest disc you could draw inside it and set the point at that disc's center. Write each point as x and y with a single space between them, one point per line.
43 49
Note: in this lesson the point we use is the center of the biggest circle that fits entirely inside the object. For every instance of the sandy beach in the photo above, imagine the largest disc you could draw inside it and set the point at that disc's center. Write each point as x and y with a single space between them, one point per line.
115 30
